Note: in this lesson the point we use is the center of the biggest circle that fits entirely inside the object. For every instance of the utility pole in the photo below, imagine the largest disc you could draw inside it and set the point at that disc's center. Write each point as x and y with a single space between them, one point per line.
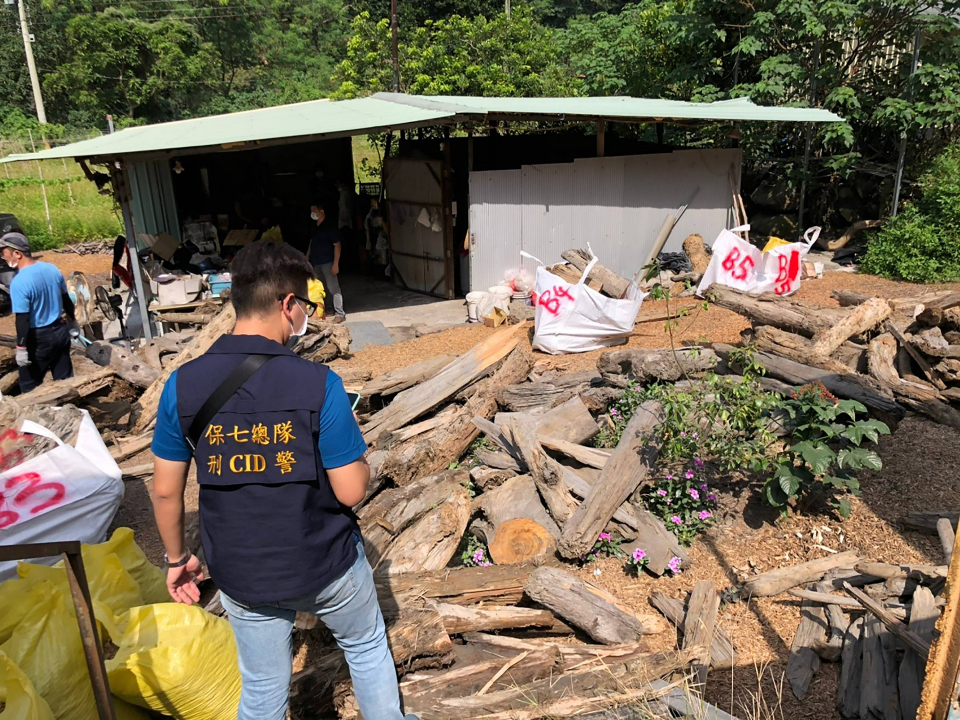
902 152
506 7
396 58
31 65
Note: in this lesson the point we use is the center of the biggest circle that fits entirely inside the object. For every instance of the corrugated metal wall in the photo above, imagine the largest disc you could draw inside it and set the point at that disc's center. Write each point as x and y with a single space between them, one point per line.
152 200
615 204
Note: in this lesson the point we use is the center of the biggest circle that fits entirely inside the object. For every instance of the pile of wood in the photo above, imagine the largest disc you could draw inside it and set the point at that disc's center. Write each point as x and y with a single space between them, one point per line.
887 354
877 619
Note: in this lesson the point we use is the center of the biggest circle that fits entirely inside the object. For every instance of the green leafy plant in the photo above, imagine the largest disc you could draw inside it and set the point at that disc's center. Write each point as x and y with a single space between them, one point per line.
605 546
473 553
826 451
683 501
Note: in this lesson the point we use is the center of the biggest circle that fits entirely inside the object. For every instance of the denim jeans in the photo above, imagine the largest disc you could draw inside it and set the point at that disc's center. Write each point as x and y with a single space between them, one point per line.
348 606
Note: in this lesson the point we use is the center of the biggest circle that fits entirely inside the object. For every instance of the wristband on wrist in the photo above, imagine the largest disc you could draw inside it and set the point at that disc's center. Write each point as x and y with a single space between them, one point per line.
179 563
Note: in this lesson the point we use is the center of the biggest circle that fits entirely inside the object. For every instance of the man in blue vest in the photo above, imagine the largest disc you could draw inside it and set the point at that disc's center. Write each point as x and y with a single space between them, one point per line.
279 464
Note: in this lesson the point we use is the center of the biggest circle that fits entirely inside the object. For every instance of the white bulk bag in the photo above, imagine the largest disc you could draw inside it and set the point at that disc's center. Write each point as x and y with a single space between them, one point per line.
575 318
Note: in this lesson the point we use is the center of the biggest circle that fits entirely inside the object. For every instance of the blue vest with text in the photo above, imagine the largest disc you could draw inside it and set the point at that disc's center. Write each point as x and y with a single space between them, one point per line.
271 527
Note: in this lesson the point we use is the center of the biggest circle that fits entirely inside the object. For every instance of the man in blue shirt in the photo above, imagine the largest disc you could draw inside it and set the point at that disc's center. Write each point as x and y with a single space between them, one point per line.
280 463
324 254
39 297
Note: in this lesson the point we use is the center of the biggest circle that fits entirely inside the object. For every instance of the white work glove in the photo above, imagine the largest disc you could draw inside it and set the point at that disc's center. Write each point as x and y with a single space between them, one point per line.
74 329
23 357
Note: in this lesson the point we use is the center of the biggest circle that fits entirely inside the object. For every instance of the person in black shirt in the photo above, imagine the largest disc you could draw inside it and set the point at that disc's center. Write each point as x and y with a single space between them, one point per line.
323 252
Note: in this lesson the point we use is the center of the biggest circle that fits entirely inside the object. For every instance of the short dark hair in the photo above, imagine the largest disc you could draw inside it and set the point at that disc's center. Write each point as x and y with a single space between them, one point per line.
265 271
320 205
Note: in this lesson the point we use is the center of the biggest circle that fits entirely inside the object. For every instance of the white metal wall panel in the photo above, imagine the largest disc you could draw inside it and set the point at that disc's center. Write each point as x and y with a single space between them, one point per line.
494 225
617 205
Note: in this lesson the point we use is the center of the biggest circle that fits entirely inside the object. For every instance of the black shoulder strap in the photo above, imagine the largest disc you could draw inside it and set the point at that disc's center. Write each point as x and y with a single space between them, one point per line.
226 390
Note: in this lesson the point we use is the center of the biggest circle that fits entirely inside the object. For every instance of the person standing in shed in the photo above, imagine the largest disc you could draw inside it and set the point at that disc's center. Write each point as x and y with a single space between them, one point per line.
38 294
324 253
280 462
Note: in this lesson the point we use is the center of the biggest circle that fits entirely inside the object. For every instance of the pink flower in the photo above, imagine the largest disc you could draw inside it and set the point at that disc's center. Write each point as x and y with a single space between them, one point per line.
604 536
674 565
683 434
676 520
688 474
614 412
693 493
704 514
662 493
698 462
639 555
695 436
703 487
666 500
478 556
669 476
711 497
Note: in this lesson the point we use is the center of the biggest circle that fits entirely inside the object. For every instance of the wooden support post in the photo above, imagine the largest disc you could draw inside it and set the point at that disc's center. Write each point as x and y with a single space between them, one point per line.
943 663
601 137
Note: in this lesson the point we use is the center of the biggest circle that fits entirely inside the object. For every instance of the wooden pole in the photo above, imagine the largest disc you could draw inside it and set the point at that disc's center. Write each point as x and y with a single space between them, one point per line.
601 137
43 187
66 175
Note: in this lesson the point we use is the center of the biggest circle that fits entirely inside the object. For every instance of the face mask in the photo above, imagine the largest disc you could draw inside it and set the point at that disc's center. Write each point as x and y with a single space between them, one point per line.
12 264
314 216
295 335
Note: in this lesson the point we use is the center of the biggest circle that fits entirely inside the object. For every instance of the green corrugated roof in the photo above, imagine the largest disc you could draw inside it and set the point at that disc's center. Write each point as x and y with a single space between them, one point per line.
314 118
321 118
615 108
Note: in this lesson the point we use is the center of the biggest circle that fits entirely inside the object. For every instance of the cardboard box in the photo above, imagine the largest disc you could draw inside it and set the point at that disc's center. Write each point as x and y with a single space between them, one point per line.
176 289
240 237
163 245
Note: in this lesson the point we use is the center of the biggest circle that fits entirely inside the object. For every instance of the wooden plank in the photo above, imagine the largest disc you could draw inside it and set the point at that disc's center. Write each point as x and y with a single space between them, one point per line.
415 401
923 618
570 421
891 666
459 619
837 624
863 318
629 467
612 284
871 676
888 570
498 584
592 457
587 607
911 639
943 663
851 671
699 626
412 431
58 392
402 378
804 662
131 446
777 581
722 655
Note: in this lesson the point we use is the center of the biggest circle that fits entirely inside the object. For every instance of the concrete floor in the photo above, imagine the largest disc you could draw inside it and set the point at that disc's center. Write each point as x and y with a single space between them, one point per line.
368 299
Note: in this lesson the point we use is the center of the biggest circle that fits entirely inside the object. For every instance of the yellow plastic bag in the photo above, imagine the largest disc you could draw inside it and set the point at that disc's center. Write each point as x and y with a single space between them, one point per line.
17 692
46 647
774 242
109 582
177 660
150 578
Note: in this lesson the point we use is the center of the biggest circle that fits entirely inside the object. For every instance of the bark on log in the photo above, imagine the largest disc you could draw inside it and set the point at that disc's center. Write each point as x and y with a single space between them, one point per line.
488 478
947 539
59 392
127 365
497 459
781 313
854 228
415 401
398 380
629 467
434 450
923 618
854 387
871 676
863 318
918 358
150 399
881 358
926 522
411 431
458 619
620 367
547 473
888 570
699 625
394 510
131 446
933 343
934 310
796 348
173 318
498 585
430 543
613 285
570 274
803 662
589 608
592 457
518 542
570 421
722 655
547 393
693 247
777 581
851 671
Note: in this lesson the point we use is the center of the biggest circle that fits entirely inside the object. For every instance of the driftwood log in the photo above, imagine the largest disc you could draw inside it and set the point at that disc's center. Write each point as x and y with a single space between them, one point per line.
699 626
923 617
60 392
398 380
547 392
722 655
804 662
777 581
628 468
522 529
589 608
129 366
612 284
621 367
851 671
779 312
547 473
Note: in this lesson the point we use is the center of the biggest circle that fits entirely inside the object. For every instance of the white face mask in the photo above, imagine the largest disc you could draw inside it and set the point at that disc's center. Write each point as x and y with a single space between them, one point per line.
314 216
295 335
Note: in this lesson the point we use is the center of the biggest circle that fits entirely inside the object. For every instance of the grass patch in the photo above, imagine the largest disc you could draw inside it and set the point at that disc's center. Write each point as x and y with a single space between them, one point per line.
77 211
